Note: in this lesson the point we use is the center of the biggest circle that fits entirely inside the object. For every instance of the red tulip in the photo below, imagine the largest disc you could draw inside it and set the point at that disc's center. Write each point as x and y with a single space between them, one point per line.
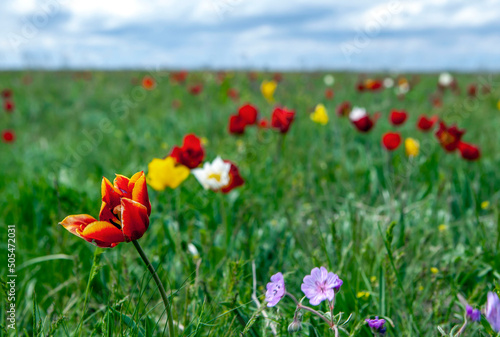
235 180
468 151
282 119
195 89
148 83
472 90
360 87
391 140
425 124
263 123
124 214
449 137
278 77
361 120
6 93
179 76
233 94
8 106
8 136
344 109
249 113
398 117
191 153
237 125
329 93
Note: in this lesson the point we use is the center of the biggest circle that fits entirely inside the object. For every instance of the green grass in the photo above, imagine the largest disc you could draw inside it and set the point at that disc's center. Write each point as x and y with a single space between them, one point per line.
328 200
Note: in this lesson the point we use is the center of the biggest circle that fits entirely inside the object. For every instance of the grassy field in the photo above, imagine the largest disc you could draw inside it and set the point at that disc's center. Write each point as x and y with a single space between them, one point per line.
321 196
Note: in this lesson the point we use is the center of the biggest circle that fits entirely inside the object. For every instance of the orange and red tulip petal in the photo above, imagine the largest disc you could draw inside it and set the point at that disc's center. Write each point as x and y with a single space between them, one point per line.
135 220
139 190
102 234
110 195
106 214
76 223
121 183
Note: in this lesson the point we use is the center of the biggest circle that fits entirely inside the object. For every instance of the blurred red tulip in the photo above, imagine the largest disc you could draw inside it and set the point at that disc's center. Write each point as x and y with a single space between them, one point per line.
8 106
468 151
148 83
263 123
249 113
472 90
179 76
237 125
449 137
6 93
278 77
344 109
361 120
233 94
235 179
191 153
391 140
196 89
8 136
398 117
425 124
282 119
329 93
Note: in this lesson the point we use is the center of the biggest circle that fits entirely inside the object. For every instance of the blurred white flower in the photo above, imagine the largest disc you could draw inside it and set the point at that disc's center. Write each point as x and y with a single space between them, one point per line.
357 113
445 79
388 82
214 175
329 80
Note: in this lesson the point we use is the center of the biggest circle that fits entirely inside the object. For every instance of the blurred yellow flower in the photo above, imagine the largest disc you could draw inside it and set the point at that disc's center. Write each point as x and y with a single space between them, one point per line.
412 147
164 146
434 270
320 115
204 140
443 228
163 173
363 294
420 288
485 204
498 104
268 88
373 279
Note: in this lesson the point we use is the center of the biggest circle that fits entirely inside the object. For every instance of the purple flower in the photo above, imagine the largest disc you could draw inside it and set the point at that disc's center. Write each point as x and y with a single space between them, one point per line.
493 311
275 289
375 324
320 285
474 314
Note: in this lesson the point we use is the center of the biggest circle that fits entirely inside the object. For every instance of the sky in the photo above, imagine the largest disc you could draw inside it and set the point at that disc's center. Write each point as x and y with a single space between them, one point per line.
369 35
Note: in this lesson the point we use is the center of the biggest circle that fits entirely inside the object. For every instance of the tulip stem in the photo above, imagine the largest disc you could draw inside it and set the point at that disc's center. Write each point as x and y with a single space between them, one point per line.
159 285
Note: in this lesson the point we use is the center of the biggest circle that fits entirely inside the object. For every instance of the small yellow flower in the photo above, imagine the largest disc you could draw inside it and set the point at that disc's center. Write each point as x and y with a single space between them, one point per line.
204 141
320 115
363 294
373 279
434 270
163 173
485 204
268 88
412 147
443 228
420 288
498 104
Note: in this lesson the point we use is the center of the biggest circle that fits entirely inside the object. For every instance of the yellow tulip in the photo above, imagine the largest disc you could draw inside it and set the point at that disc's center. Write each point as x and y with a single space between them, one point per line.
320 115
268 88
163 173
412 147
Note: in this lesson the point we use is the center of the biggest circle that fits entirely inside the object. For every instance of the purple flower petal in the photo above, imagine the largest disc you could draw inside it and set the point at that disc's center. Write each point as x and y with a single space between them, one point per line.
493 311
275 289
